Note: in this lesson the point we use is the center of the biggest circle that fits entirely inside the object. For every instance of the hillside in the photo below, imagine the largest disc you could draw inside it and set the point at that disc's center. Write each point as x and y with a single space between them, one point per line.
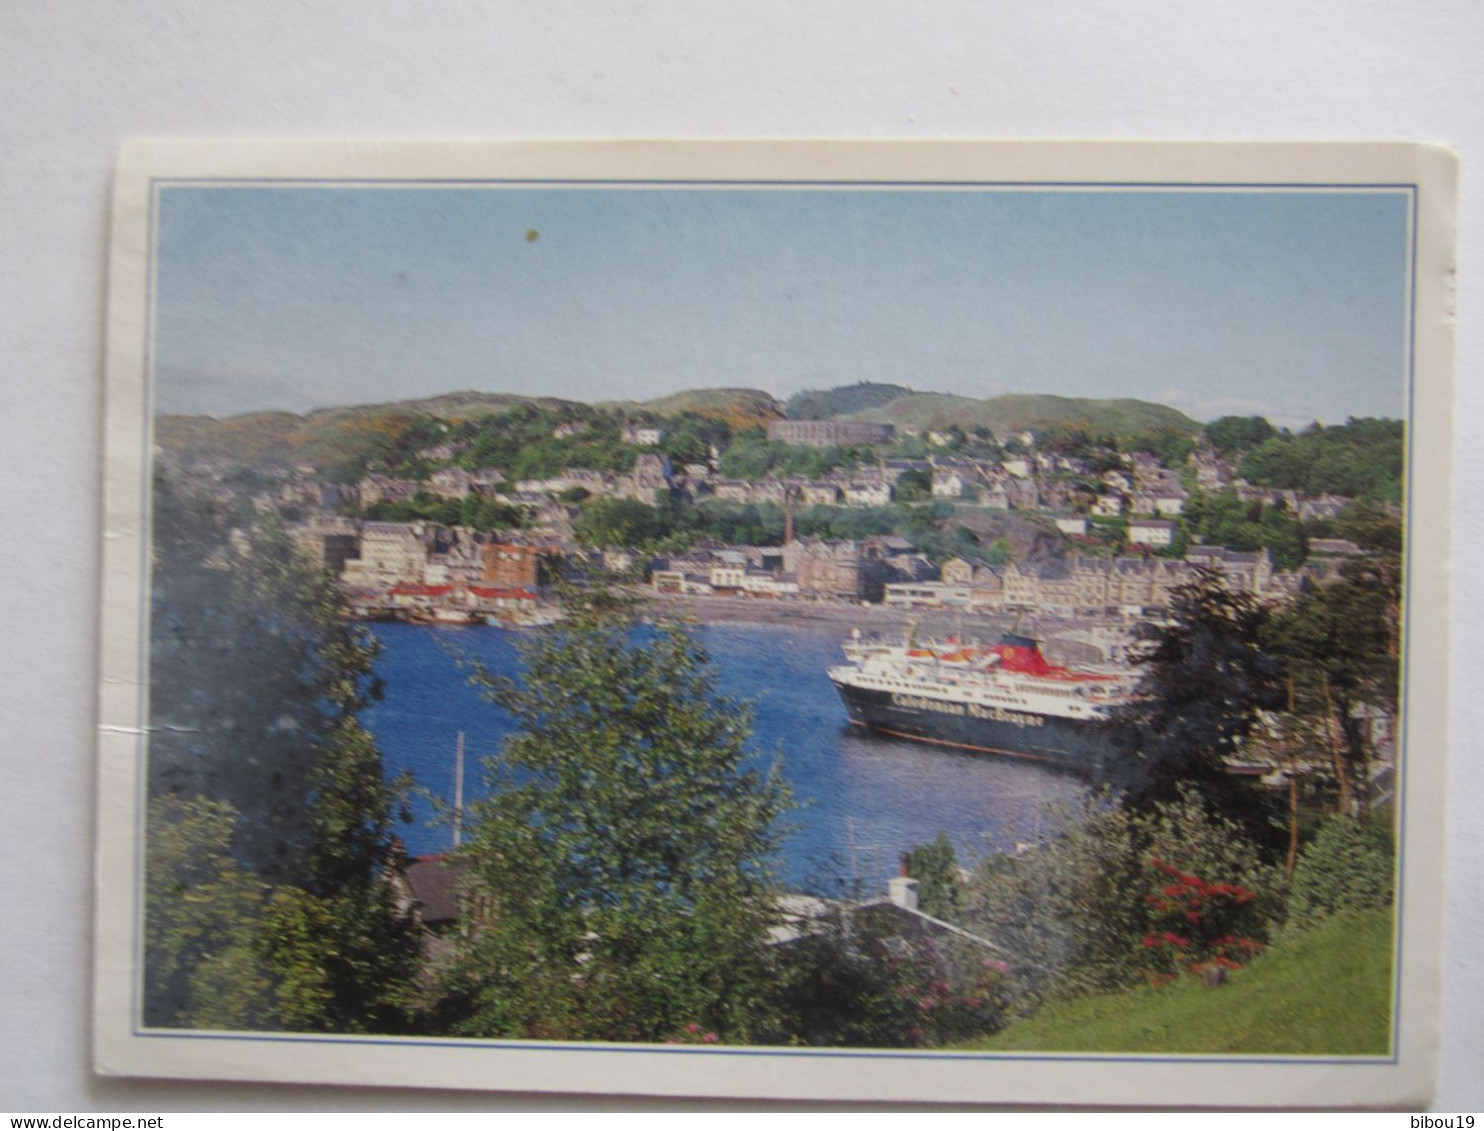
1325 992
1006 415
346 432
741 408
824 404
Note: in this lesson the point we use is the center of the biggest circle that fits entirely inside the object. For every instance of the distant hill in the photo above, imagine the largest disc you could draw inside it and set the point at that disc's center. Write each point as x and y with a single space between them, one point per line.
1017 412
466 404
340 435
741 408
826 404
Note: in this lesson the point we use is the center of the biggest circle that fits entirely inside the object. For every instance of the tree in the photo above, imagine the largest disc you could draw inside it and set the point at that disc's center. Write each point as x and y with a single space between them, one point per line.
203 914
1231 434
623 860
1209 673
1342 644
256 681
1077 908
935 868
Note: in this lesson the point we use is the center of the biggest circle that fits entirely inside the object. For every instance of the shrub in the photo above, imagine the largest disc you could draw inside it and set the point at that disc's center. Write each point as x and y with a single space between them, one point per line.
861 980
1348 866
1075 911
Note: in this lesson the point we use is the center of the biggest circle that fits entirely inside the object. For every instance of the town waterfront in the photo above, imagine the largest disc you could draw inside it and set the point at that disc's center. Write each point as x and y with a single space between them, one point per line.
863 799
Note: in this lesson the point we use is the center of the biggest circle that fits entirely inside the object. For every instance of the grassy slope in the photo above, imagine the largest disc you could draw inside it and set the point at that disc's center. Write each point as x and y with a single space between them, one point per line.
266 437
1011 413
1326 992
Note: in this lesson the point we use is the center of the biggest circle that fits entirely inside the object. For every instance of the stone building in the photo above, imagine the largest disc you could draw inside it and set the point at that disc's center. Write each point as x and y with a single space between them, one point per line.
829 433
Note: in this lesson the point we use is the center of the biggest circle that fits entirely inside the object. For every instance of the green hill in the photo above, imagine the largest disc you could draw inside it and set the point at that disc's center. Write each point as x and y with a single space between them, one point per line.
825 404
1017 412
347 433
741 408
1326 992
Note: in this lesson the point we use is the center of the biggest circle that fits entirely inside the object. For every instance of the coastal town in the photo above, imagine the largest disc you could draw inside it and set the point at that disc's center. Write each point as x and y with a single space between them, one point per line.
1090 538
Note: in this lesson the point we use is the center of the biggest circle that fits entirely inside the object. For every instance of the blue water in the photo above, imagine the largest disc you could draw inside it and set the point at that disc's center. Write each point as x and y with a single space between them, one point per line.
864 799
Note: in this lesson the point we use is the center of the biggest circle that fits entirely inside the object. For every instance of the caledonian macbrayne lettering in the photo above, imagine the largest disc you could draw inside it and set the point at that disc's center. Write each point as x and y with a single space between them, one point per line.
973 710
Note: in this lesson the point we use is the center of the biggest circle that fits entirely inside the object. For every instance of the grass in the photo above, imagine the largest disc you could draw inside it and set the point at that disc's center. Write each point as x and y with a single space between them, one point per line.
1325 992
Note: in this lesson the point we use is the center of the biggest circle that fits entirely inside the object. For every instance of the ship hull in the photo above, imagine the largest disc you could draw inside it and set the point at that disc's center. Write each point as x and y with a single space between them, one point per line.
1083 747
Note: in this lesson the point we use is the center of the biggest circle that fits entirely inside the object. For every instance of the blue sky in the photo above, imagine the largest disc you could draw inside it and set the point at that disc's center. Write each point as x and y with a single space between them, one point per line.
1286 303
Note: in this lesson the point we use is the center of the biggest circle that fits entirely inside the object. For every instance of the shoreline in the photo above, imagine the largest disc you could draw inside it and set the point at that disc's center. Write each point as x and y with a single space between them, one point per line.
1056 633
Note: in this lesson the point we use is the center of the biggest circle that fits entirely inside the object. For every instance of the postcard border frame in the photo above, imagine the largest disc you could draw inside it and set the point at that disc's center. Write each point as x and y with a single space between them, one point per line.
124 1049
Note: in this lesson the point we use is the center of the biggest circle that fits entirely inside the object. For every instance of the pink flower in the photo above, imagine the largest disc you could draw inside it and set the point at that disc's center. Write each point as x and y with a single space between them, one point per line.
692 1028
711 1038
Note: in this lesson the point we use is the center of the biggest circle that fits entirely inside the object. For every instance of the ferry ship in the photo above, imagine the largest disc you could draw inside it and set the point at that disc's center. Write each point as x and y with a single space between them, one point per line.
1004 699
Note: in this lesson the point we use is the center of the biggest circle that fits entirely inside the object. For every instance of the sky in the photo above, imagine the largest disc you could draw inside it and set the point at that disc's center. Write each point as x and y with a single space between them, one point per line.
1289 304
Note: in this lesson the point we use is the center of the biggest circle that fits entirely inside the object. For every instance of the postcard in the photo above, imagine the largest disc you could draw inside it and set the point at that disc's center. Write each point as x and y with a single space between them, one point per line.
933 622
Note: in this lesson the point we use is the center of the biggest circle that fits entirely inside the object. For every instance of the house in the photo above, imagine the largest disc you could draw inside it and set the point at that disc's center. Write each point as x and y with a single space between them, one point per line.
450 483
374 489
506 603
643 435
949 482
509 563
1156 533
820 494
1108 506
1169 504
1074 524
870 493
389 552
1244 572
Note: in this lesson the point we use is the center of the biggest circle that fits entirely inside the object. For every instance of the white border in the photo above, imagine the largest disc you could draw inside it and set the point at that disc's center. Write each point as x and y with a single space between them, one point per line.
779 1073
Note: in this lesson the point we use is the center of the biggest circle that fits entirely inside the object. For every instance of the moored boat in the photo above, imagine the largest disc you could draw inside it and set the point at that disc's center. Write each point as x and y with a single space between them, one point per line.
1004 699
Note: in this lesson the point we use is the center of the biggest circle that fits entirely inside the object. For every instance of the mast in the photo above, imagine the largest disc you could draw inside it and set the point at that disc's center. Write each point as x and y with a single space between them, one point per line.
458 792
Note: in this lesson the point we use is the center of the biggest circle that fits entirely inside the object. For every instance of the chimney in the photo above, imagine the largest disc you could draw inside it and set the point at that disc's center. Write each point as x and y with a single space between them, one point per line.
902 888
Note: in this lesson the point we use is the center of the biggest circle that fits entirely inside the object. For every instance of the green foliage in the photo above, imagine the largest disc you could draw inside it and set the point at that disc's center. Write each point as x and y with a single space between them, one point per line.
625 852
1075 909
1077 439
935 868
1360 458
522 442
256 680
1208 674
203 912
1222 519
1232 434
913 486
1342 644
608 522
813 404
1171 446
690 437
1323 992
753 456
1350 865
479 512
859 980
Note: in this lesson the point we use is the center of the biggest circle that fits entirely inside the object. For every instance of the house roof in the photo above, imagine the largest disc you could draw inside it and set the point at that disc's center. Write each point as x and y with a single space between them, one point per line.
433 881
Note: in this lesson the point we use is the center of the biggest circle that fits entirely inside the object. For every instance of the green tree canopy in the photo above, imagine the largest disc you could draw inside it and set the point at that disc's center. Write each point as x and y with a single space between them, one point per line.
1208 674
256 681
1232 434
624 859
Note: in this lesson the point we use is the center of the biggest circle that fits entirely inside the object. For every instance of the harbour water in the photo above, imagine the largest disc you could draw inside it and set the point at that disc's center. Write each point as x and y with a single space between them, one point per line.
864 799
